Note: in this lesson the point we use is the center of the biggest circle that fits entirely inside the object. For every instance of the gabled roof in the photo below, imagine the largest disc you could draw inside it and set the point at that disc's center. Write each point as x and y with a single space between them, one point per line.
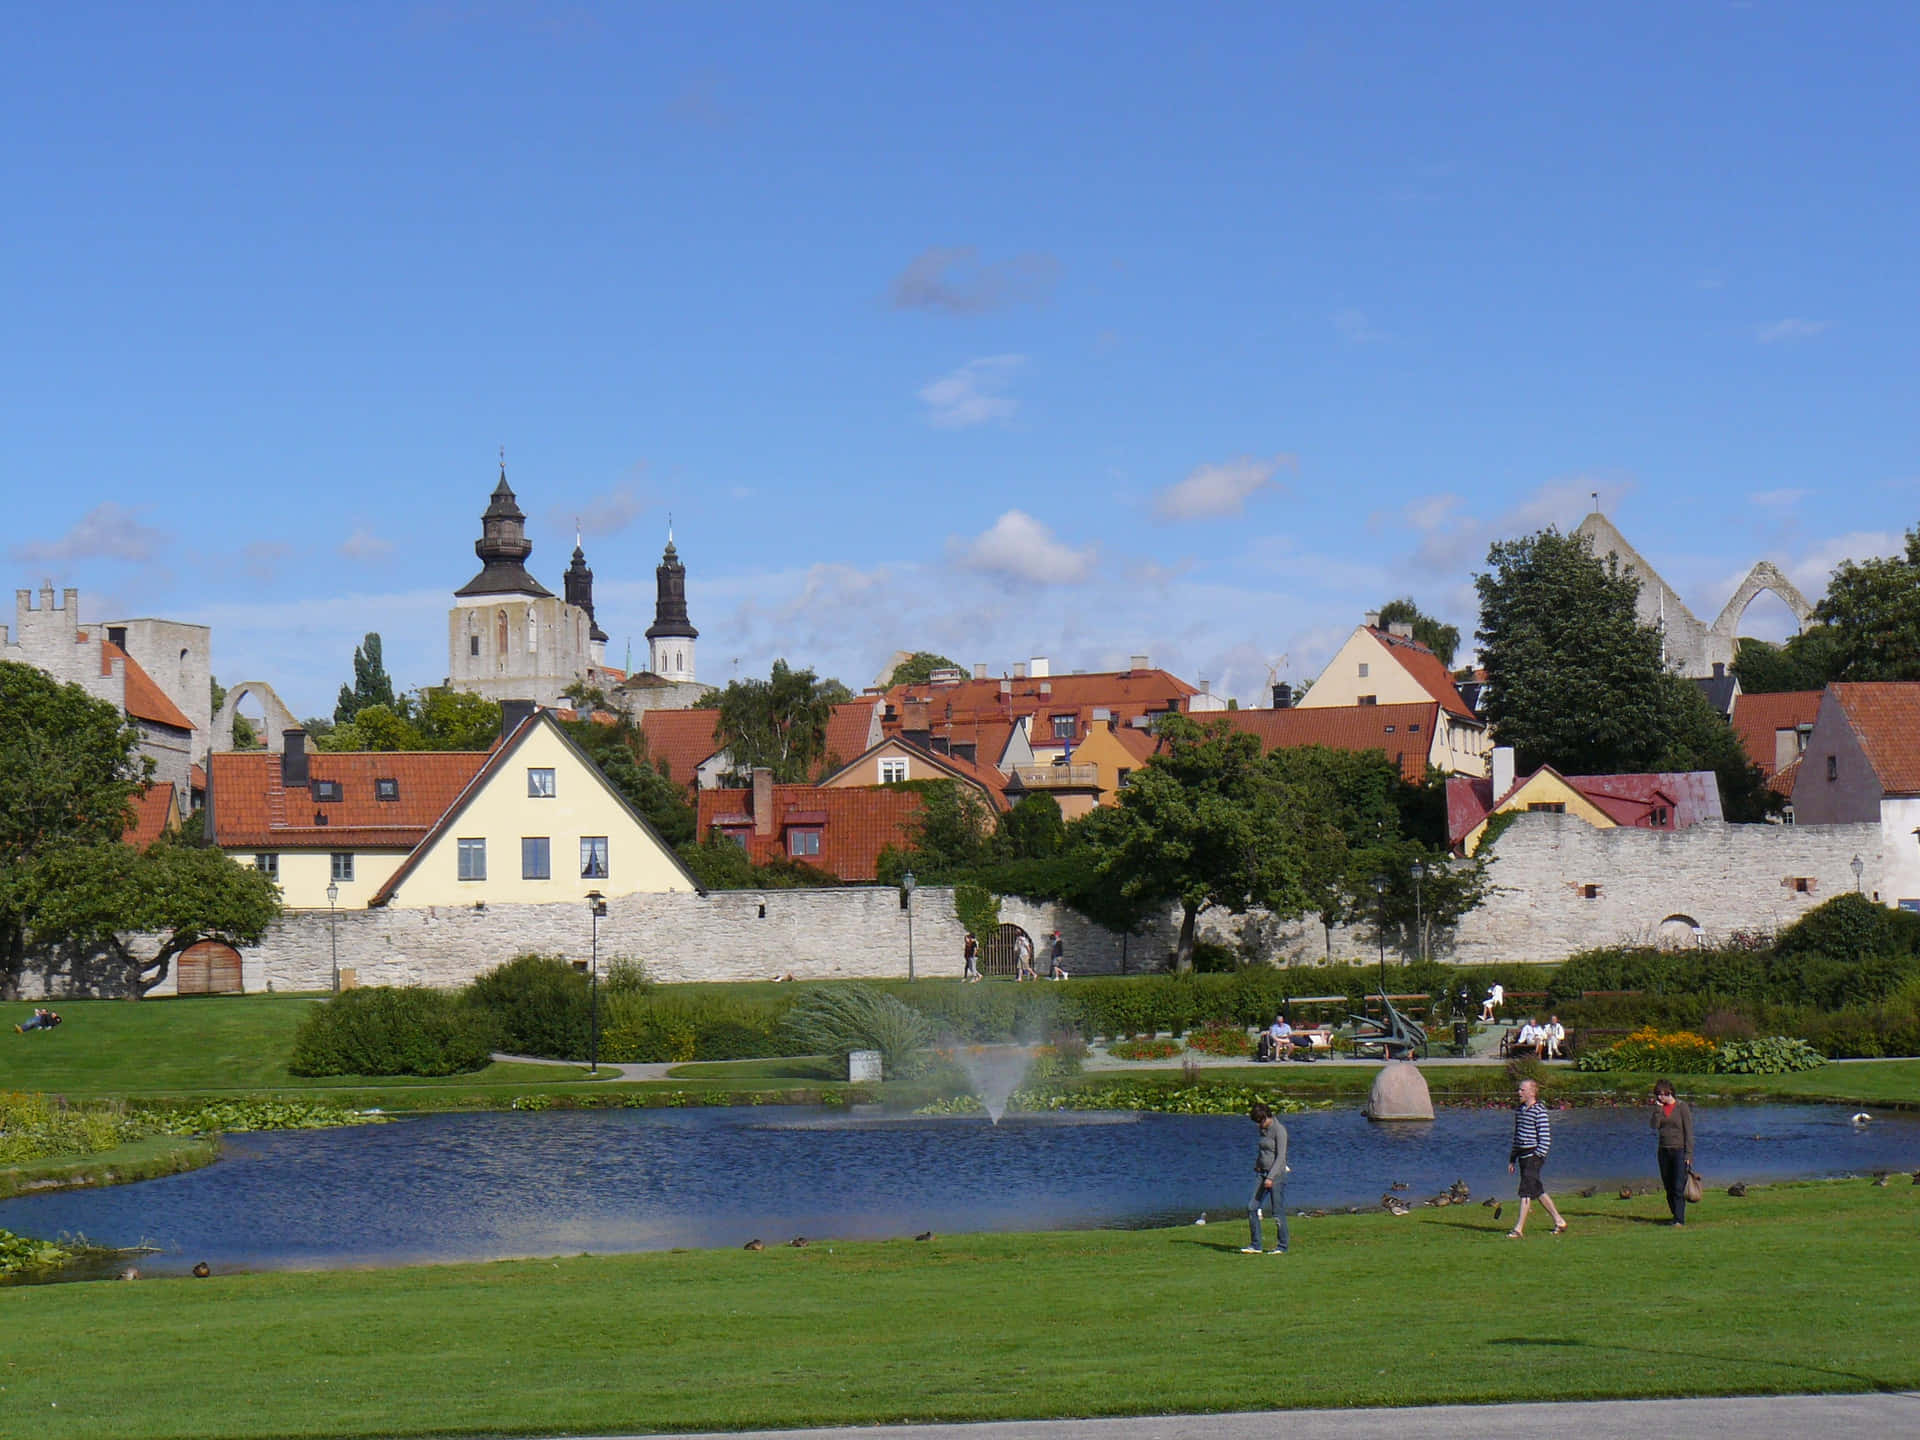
981 776
495 761
855 824
1426 669
1758 718
851 730
1125 694
156 810
682 738
1689 797
249 808
1403 733
1885 718
144 700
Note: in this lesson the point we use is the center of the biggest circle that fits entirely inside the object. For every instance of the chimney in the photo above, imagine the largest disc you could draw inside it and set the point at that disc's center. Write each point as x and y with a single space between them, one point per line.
1140 662
1038 668
1502 770
1019 669
916 722
514 714
1372 619
980 672
293 760
1206 686
1283 696
762 800
1403 629
1719 670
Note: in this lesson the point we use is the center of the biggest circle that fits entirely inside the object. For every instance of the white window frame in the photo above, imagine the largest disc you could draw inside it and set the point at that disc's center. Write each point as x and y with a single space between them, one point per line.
267 862
470 849
342 871
893 770
798 834
551 783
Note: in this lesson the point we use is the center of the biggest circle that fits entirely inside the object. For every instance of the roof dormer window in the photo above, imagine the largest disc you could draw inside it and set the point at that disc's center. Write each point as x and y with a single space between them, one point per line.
386 787
326 790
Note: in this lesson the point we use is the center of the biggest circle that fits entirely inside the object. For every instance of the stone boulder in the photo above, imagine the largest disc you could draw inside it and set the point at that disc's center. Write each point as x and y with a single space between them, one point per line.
1399 1093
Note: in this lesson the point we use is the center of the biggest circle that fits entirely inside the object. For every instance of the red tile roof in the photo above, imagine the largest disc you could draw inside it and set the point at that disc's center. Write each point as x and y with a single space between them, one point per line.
682 738
1885 717
858 824
1427 670
1757 718
851 731
1123 693
1404 733
145 700
975 772
252 810
156 810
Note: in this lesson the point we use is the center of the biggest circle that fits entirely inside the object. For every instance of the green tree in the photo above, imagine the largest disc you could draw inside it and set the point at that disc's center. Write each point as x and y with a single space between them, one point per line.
1698 738
947 838
1809 661
375 727
454 720
1205 823
918 667
1574 679
1437 636
779 722
371 683
1874 609
1031 829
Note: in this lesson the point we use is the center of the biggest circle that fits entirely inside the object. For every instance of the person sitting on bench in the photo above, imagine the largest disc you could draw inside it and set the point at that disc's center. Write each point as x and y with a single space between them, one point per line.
1496 997
1555 1048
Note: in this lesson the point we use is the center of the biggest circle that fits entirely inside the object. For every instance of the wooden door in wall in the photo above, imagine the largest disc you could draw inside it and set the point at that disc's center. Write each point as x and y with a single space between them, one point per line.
209 968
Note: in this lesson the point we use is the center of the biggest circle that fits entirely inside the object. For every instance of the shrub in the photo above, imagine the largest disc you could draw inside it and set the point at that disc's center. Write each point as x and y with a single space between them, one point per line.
1724 1025
1219 1037
391 1031
539 1005
1145 1049
1650 1051
1529 1067
845 1018
1775 1055
32 1127
625 976
1850 927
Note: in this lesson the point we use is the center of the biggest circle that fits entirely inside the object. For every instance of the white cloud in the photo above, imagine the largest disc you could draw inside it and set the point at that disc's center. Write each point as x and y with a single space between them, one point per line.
1355 329
106 532
1453 539
365 547
1790 329
1813 569
952 279
1022 548
1223 489
975 394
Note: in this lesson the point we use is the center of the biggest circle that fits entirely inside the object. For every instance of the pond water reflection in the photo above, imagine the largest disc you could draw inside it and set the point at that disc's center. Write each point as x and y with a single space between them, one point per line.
492 1186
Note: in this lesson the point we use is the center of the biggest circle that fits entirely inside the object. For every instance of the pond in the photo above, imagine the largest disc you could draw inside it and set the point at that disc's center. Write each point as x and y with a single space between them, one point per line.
503 1185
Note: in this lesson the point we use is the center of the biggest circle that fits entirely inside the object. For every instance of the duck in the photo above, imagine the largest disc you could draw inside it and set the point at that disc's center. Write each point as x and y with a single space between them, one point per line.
1737 1189
799 1242
1880 1181
924 1235
1626 1192
1399 1185
1460 1192
1860 1117
1203 1218
1443 1198
130 1273
1589 1192
753 1244
202 1270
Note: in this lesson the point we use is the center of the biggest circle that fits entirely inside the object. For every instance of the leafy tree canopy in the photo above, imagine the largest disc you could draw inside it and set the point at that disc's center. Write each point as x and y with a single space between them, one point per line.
917 667
371 683
1873 608
427 719
1808 661
779 722
1441 638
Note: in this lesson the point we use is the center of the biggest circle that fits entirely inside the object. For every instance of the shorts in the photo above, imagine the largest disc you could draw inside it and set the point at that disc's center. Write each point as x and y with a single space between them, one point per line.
1530 1186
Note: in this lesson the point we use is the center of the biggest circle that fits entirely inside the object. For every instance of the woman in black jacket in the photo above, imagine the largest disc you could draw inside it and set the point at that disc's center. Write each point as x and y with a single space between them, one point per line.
1673 1126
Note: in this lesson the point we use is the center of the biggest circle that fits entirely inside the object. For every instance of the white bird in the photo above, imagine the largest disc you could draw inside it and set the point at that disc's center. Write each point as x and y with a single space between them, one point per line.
1862 1118
1203 1218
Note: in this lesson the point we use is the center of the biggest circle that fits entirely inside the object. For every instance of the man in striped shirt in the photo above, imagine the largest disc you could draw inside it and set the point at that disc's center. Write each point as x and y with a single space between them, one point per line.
1532 1138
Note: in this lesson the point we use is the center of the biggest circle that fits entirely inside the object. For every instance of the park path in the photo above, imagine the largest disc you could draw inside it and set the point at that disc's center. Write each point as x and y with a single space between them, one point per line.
631 1071
1769 1417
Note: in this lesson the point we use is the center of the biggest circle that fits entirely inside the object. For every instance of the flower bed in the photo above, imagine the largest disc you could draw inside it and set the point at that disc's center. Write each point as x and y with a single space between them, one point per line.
1219 1037
1156 1049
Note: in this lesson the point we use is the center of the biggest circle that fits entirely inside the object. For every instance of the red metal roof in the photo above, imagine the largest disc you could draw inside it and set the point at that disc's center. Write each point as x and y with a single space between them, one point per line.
1758 718
1689 797
1885 717
1403 733
855 824
252 810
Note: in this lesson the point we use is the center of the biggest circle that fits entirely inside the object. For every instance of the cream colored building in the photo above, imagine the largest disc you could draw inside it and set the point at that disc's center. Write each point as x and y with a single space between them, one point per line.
1387 666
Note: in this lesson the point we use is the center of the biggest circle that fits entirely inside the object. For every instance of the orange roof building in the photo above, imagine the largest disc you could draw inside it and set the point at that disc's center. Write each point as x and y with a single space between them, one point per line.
838 831
1774 730
1385 665
1409 735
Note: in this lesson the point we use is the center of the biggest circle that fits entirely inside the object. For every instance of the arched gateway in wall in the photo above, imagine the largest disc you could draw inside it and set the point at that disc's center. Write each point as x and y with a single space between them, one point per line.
279 719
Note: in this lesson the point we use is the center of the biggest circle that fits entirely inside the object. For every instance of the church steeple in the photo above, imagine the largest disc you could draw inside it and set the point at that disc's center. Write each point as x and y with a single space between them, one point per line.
503 548
579 590
670 638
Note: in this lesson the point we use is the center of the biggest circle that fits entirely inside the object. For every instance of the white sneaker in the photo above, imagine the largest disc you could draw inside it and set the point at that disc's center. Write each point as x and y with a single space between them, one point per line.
1249 1249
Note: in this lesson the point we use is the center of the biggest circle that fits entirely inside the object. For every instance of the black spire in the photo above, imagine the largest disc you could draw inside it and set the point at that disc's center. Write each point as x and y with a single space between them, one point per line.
579 589
670 611
503 548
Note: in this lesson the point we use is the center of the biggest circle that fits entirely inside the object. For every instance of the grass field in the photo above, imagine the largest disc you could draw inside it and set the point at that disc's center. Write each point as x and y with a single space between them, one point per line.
1784 1291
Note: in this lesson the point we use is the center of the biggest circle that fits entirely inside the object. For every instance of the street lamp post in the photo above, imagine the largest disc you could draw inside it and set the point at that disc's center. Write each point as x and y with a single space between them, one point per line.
1380 890
596 907
333 931
1419 913
1859 866
907 883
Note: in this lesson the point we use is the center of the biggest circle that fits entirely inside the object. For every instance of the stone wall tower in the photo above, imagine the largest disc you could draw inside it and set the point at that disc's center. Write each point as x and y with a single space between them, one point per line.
670 638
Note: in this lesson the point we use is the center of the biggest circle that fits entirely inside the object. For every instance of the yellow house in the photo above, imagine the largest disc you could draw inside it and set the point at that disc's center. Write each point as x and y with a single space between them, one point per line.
528 822
1546 790
1387 666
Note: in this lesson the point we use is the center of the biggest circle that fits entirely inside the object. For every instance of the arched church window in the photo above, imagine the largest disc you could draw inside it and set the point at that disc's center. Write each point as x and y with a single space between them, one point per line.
677 663
500 633
533 631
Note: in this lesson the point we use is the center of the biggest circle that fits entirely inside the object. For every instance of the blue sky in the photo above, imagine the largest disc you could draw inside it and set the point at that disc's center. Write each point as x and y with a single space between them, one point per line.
1077 331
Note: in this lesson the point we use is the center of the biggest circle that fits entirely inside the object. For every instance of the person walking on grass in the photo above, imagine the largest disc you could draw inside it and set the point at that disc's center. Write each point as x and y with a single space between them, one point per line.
1532 1138
1673 1131
1270 1182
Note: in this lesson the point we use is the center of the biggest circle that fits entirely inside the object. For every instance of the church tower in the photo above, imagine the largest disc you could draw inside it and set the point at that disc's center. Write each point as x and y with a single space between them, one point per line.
508 636
579 590
670 638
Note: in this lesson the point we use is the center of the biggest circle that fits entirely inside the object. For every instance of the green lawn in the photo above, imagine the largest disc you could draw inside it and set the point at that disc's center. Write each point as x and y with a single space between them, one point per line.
1783 1292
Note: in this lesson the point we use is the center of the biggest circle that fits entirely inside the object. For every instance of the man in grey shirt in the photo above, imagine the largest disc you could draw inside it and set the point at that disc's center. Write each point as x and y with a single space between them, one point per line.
1270 1184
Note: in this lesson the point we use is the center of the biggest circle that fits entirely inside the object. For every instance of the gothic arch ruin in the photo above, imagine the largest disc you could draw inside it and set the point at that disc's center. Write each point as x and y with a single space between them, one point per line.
279 718
1764 576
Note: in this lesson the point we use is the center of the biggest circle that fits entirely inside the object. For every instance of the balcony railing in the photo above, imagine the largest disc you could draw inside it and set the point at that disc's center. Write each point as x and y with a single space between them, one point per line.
1058 777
